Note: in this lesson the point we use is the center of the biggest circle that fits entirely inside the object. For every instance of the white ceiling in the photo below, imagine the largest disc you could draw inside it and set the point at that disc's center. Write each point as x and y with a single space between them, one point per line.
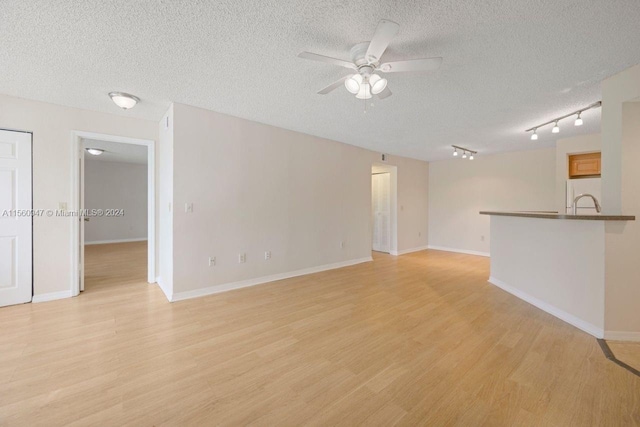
116 152
508 64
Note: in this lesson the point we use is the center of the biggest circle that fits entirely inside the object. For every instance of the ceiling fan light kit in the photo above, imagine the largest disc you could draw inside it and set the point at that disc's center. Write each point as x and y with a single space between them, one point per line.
353 83
365 60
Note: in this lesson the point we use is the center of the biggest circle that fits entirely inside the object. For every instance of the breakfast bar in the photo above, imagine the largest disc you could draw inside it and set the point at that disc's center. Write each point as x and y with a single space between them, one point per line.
553 261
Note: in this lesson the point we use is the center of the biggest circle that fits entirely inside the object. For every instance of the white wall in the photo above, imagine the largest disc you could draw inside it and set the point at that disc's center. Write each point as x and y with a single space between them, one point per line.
622 297
621 194
459 189
258 188
165 203
51 126
116 185
564 147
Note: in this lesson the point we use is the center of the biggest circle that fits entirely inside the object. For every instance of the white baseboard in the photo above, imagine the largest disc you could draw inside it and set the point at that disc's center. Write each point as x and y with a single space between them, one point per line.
622 336
408 251
179 296
554 311
102 242
460 251
52 296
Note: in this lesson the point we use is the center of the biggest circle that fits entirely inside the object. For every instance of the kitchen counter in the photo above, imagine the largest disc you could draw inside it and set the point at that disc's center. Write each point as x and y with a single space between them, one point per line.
556 215
558 266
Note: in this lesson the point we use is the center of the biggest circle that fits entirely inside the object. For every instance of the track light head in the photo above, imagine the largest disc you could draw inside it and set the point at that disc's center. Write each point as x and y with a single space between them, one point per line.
534 135
455 152
578 121
556 128
471 157
464 155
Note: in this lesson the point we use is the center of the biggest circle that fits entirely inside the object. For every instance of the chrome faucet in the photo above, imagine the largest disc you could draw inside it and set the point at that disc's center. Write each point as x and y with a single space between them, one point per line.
580 196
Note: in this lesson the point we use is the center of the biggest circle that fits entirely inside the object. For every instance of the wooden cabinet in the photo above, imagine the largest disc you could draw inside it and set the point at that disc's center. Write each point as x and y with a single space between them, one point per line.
584 165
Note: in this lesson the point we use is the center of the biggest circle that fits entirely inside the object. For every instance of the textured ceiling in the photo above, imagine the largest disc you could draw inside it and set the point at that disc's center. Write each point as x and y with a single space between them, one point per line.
116 152
508 65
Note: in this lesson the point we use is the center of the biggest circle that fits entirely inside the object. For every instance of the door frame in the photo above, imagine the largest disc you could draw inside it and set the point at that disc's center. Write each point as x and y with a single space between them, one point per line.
393 217
76 155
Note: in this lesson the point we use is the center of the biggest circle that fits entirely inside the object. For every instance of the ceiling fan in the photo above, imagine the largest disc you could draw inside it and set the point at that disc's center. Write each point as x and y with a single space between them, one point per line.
365 60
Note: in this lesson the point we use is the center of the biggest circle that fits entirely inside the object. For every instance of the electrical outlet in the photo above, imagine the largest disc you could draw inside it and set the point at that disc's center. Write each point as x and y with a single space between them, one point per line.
342 245
212 261
242 258
188 207
267 255
482 238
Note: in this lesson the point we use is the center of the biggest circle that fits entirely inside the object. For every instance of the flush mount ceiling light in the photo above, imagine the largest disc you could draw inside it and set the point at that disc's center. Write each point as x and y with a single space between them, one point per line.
556 126
94 151
464 152
124 100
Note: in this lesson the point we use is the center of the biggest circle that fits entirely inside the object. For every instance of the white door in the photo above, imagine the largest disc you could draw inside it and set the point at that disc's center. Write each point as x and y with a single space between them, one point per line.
381 207
15 218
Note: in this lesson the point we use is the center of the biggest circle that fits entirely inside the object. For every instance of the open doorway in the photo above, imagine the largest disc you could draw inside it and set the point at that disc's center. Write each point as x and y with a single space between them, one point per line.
384 209
114 233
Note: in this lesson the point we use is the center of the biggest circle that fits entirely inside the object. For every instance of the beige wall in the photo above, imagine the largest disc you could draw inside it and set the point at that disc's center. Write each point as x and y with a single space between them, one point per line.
258 188
621 194
459 189
51 126
622 251
616 90
564 147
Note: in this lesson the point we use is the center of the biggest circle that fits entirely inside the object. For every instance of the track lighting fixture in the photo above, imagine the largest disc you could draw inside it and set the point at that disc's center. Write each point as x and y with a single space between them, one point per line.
556 126
466 153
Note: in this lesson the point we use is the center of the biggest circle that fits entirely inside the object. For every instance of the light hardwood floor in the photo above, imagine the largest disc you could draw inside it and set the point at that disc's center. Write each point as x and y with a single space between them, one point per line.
419 339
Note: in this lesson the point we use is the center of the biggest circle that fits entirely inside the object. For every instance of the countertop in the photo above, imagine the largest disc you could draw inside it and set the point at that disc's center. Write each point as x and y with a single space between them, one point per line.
556 215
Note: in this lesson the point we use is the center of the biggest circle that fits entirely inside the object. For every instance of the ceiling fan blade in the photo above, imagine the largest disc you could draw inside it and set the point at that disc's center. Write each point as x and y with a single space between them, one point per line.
333 86
425 64
327 59
385 32
385 93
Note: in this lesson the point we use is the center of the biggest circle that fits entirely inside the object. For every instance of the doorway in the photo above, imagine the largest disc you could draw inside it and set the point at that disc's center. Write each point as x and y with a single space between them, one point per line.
383 208
114 193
